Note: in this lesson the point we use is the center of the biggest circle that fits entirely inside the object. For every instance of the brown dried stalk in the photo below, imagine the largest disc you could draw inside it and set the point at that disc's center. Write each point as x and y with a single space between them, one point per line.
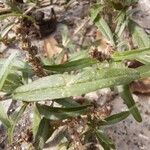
32 52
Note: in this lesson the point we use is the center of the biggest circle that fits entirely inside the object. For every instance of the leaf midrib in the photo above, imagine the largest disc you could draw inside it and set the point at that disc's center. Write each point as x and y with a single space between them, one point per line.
65 85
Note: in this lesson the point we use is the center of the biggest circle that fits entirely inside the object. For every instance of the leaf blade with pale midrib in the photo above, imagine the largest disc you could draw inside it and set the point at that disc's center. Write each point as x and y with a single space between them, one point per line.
114 118
132 54
59 113
71 66
64 85
129 101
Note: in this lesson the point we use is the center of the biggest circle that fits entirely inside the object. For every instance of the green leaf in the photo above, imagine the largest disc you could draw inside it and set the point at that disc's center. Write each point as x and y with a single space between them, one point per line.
73 65
4 118
15 118
4 70
59 113
140 38
17 65
67 102
36 121
94 11
144 71
122 21
132 54
144 59
122 27
12 81
105 30
45 130
64 85
114 118
129 101
104 141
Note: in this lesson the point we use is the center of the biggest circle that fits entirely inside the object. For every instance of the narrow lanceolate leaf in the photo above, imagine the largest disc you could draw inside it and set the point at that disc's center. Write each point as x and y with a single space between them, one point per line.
106 143
65 85
95 10
4 70
73 65
133 54
4 118
67 102
140 38
144 71
15 118
44 132
105 30
36 121
121 23
114 118
58 113
129 101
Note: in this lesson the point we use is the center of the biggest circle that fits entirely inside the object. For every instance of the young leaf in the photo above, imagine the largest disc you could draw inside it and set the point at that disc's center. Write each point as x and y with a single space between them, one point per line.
114 118
73 65
59 113
94 11
140 38
104 140
45 130
64 85
133 54
121 23
105 30
128 99
4 70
